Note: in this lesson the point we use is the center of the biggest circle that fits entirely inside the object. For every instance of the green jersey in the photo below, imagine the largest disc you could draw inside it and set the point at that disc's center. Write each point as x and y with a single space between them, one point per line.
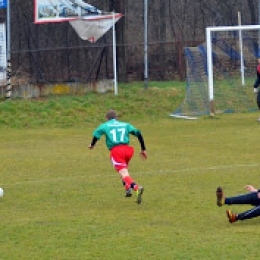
116 132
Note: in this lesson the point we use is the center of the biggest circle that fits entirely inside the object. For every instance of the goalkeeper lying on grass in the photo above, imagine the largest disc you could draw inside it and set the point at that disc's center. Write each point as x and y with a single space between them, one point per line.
252 198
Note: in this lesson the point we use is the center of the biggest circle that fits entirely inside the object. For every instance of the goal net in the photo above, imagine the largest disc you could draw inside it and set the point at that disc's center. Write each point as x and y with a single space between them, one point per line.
220 72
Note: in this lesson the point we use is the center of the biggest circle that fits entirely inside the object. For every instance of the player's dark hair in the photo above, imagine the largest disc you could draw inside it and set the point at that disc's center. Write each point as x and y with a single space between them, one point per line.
111 114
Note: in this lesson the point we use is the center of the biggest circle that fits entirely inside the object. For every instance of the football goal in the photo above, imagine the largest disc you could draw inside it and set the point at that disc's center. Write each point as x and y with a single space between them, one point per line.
220 72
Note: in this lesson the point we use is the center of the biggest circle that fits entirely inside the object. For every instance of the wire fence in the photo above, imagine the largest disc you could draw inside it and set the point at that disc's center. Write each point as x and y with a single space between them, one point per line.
53 53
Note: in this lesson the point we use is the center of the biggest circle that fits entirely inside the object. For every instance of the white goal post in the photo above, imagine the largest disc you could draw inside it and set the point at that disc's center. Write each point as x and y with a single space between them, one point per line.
209 31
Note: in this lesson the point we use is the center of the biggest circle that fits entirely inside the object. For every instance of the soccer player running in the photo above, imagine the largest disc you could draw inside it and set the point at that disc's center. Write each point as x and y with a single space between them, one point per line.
252 198
117 140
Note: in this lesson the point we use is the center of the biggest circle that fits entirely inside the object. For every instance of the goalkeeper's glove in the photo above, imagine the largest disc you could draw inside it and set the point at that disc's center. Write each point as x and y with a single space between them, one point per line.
255 90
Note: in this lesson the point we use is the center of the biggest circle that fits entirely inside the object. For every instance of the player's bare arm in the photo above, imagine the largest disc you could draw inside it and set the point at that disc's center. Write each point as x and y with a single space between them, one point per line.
250 188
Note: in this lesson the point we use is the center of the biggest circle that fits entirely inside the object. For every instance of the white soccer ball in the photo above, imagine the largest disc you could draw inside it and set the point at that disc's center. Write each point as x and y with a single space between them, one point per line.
1 192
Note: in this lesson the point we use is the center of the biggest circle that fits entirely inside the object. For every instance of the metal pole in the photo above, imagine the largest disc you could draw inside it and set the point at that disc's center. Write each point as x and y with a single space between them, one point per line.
241 51
145 44
210 71
114 55
8 49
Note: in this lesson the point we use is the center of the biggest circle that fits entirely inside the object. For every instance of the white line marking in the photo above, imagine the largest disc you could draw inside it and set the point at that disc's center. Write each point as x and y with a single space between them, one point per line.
224 167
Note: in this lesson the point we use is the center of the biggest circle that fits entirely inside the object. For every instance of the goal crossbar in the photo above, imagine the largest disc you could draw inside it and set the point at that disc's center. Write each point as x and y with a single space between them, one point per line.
209 31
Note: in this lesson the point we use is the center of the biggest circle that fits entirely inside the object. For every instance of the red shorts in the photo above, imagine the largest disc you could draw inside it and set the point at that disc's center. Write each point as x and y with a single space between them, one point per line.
121 155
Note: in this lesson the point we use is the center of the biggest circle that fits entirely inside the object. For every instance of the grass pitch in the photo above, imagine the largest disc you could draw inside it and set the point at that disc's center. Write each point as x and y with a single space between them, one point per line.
64 201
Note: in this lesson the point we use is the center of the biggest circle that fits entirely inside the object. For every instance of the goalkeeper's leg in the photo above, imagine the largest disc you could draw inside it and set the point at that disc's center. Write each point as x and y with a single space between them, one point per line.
258 99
